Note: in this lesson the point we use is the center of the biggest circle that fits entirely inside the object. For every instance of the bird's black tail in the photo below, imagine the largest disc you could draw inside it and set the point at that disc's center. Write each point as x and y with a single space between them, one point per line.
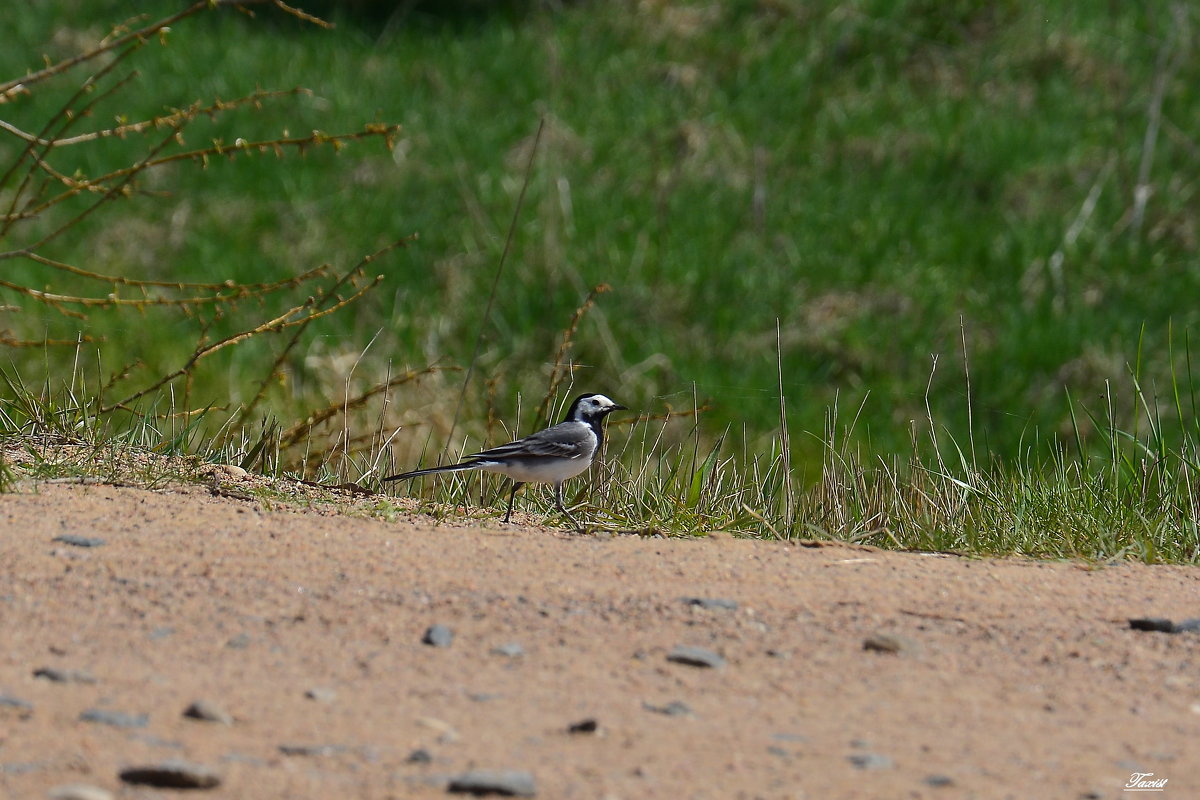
416 473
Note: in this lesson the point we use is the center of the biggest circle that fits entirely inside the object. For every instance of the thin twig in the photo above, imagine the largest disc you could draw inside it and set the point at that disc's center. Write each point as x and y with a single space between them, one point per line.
25 81
279 323
294 340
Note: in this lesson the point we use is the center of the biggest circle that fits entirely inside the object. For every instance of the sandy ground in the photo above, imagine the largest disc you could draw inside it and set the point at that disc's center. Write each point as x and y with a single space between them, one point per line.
1012 678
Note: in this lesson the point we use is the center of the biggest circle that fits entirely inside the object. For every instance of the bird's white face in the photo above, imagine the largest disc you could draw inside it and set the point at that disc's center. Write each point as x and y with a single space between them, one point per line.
593 406
601 403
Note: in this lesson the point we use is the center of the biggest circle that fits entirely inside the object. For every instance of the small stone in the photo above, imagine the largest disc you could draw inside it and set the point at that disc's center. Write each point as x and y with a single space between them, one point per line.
239 642
939 781
889 643
506 783
79 791
438 636
509 650
712 603
311 749
483 697
675 708
79 541
1188 626
589 725
445 731
695 657
161 633
208 712
56 675
870 761
157 741
14 707
1157 624
419 756
243 758
173 775
322 694
118 719
231 471
789 737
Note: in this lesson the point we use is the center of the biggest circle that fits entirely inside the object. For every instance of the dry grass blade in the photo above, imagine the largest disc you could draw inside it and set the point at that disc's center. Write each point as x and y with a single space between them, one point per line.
295 338
304 428
560 370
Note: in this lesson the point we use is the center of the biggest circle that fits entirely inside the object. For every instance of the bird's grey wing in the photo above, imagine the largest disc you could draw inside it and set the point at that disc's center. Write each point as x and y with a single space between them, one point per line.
565 440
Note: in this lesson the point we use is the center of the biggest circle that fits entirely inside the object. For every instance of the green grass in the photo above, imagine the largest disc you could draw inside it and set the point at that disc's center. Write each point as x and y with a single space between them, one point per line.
891 183
1136 501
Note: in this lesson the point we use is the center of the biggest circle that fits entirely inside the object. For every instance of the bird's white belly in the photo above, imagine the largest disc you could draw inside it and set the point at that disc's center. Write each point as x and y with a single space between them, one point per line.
545 470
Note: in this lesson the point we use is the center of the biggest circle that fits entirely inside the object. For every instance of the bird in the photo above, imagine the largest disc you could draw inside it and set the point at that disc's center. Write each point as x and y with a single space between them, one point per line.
552 455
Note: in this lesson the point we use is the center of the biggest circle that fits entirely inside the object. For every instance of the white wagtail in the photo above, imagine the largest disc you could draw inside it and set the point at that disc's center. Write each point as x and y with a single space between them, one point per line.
559 452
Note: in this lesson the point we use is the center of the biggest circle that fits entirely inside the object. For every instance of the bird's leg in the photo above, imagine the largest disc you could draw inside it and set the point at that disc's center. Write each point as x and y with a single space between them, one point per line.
558 501
511 497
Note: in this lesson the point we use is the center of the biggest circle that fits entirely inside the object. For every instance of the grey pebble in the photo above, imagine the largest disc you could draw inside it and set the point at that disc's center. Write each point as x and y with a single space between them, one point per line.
870 761
14 706
1163 625
56 675
675 708
172 774
438 636
157 741
1159 624
506 783
419 756
509 650
311 749
79 541
242 758
118 719
589 725
889 643
239 642
483 697
234 757
161 633
695 657
939 781
208 712
79 791
712 603
322 694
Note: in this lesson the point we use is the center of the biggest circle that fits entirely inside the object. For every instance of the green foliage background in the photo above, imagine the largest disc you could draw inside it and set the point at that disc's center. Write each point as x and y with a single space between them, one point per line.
882 179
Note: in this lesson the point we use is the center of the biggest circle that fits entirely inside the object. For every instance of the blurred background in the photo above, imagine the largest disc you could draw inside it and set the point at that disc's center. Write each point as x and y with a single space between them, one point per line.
886 210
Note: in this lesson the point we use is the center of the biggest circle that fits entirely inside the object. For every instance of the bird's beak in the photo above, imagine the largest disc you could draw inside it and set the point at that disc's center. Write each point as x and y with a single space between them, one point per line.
618 407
